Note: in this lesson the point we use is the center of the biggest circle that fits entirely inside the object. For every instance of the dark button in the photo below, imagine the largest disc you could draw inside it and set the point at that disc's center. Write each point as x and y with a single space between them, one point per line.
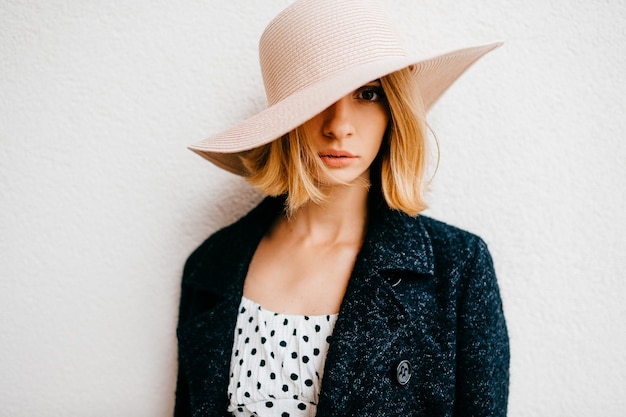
396 281
403 372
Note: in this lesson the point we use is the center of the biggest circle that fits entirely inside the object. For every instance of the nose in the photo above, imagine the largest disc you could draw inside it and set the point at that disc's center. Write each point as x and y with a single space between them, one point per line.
338 123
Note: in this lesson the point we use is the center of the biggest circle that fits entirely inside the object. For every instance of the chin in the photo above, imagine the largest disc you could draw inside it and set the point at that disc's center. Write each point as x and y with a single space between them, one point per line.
343 179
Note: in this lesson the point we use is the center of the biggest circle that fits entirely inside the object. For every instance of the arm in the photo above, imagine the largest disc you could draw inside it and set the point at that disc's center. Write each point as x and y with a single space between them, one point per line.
482 345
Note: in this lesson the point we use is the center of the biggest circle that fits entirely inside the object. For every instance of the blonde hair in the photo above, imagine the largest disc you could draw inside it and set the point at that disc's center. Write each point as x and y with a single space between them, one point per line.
288 166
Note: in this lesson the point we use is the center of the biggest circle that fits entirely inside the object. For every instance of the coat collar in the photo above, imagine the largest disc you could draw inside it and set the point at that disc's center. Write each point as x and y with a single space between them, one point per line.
371 320
394 241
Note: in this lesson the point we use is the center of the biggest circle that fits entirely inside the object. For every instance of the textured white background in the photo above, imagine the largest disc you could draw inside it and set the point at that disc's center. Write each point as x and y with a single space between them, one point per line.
101 202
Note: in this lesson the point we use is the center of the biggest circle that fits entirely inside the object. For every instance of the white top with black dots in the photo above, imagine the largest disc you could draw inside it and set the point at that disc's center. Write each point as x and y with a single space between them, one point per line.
277 362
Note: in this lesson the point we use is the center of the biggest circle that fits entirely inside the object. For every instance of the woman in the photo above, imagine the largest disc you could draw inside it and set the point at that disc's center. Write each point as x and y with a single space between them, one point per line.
334 297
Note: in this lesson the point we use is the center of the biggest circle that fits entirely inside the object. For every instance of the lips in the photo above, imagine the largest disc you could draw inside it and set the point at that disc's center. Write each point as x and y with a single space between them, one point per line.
334 153
335 158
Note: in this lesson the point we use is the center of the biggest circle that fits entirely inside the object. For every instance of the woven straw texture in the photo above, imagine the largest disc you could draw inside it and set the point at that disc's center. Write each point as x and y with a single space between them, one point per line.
315 52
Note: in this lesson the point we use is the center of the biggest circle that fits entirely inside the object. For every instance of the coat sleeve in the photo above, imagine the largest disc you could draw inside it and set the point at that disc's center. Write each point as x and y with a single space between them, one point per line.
482 345
188 301
181 409
182 406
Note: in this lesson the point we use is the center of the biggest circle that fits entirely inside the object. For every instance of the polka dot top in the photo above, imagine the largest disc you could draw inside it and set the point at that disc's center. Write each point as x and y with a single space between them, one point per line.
277 362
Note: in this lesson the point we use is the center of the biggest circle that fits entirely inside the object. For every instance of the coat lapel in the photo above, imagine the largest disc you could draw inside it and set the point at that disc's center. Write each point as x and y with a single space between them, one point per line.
216 281
207 343
373 320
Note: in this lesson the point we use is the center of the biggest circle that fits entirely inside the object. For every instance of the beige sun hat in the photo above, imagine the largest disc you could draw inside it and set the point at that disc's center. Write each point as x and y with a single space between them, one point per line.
317 51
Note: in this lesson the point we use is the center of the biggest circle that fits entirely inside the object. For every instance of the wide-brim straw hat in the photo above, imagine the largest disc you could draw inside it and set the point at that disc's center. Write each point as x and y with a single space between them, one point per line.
317 51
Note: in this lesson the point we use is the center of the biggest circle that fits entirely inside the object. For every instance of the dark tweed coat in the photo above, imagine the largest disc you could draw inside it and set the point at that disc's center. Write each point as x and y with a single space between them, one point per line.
421 291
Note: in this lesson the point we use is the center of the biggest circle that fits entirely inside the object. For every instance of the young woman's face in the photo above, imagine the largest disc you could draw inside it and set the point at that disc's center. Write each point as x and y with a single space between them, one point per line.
348 134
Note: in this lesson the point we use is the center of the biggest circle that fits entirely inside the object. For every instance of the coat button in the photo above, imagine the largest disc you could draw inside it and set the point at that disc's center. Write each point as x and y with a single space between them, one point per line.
403 372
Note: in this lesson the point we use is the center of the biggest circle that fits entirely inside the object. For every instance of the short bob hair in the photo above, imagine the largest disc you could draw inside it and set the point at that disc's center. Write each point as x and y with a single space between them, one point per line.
288 165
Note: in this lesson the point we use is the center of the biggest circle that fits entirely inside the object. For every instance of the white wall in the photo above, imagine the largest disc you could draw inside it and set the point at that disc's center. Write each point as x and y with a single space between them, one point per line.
101 202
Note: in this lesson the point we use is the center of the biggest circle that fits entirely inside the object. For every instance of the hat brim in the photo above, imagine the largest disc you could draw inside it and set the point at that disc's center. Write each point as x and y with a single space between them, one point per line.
433 75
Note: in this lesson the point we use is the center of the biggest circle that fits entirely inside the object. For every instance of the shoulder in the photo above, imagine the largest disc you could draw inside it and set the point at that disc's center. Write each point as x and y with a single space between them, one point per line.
227 246
396 225
421 244
447 236
456 247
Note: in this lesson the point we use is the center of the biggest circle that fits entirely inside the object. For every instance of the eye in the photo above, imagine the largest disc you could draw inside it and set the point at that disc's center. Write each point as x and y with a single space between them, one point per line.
371 93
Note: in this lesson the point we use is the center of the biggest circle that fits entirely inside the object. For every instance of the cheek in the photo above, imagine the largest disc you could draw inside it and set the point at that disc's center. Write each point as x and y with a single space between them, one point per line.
378 118
381 129
377 126
312 128
308 127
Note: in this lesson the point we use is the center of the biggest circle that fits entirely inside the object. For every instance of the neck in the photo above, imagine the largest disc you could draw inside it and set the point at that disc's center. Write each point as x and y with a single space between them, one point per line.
341 219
